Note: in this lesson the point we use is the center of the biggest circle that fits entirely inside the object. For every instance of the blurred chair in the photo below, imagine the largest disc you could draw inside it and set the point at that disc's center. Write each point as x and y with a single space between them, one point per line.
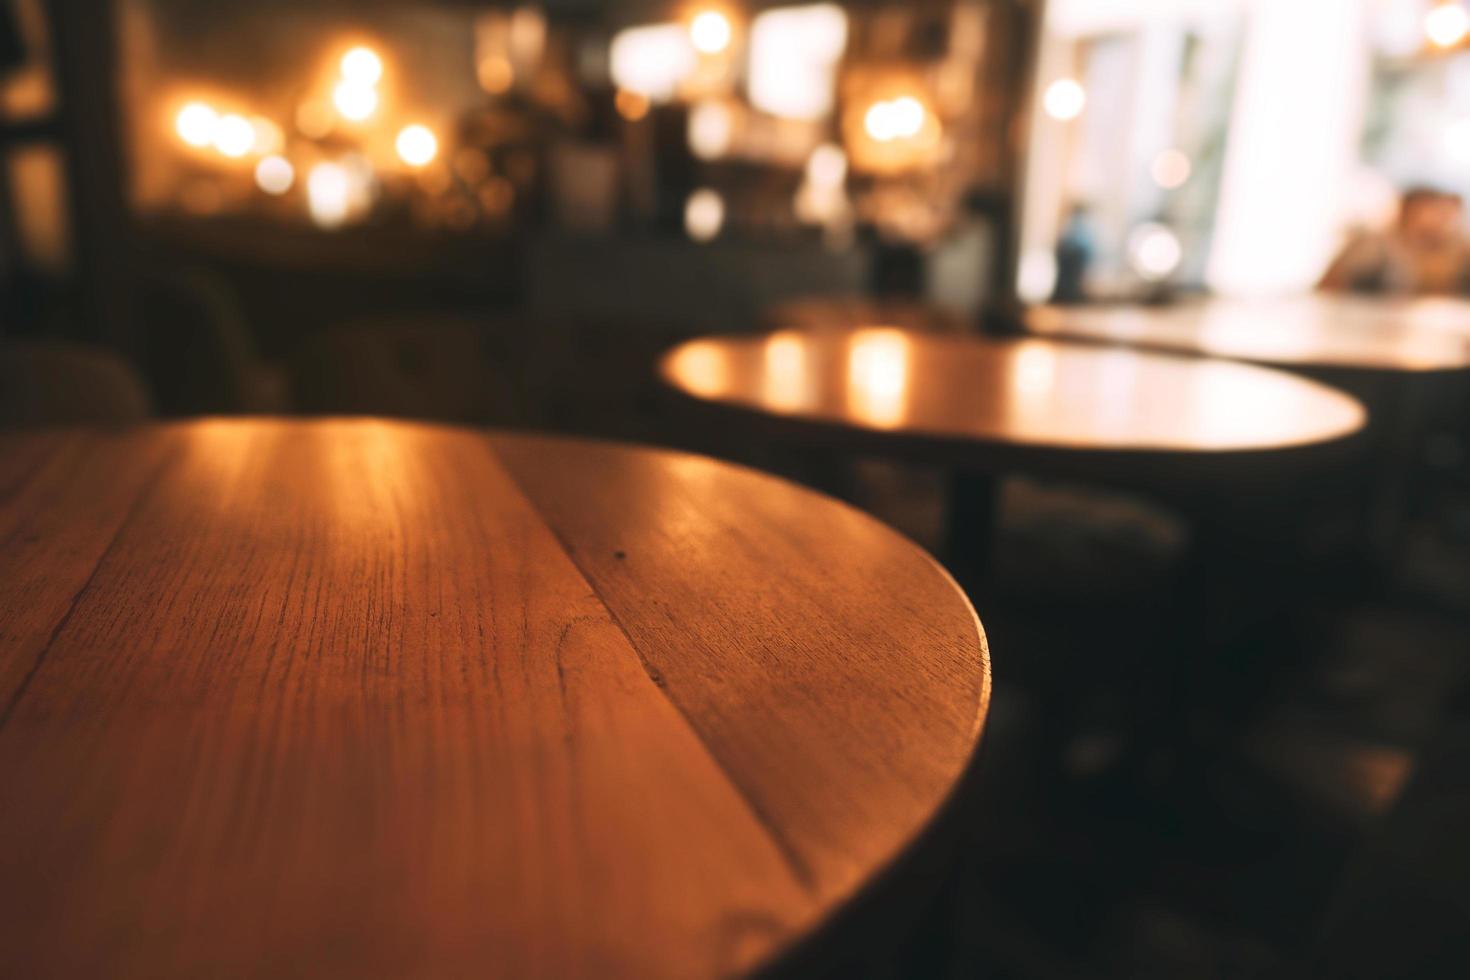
429 366
55 383
199 350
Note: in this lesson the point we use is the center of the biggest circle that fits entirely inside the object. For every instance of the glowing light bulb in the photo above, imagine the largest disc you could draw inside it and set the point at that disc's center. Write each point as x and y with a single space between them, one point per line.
710 32
234 136
1065 99
1446 25
362 66
354 100
196 124
416 145
274 174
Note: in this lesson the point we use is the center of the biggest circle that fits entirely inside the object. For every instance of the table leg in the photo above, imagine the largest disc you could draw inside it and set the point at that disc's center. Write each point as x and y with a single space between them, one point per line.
970 520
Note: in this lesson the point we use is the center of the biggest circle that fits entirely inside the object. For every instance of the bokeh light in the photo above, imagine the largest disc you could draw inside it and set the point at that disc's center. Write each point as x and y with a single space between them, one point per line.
1446 25
416 145
196 124
355 101
711 129
496 74
827 166
1065 99
274 174
653 60
794 54
1171 169
631 105
362 66
704 214
267 136
315 119
710 32
1154 252
234 136
328 194
894 119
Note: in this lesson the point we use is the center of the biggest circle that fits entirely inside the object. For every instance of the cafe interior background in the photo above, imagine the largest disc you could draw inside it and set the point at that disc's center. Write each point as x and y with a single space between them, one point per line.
504 214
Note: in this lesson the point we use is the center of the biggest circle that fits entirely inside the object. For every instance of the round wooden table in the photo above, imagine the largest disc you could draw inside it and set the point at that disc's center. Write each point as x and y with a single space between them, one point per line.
996 404
365 698
1196 430
1399 355
1344 334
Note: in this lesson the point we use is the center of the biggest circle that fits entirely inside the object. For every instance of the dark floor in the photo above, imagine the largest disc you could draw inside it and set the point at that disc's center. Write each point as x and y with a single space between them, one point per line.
1217 857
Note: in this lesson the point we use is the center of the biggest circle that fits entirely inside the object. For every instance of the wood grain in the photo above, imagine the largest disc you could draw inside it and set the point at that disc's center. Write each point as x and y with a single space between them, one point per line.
371 699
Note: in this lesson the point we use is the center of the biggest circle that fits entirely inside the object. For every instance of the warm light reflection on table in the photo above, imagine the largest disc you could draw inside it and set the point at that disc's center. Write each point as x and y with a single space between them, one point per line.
1024 392
878 376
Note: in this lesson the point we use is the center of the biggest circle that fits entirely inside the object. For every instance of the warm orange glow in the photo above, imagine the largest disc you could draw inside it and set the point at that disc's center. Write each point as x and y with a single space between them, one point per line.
710 32
631 105
314 119
362 66
711 129
354 100
234 136
878 376
1447 24
416 145
274 174
267 136
894 119
784 383
702 368
890 126
329 194
196 124
496 74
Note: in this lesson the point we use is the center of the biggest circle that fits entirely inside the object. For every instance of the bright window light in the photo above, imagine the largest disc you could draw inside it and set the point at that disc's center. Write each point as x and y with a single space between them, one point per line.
794 53
652 61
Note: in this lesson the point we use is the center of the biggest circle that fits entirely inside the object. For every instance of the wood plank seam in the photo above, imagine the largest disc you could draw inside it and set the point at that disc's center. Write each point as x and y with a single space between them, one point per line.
799 867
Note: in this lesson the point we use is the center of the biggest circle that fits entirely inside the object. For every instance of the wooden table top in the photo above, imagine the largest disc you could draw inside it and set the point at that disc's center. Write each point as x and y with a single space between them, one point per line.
366 698
1039 394
1335 332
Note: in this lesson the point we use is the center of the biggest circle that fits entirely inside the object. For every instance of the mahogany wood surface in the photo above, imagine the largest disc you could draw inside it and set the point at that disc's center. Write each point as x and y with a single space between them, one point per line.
364 698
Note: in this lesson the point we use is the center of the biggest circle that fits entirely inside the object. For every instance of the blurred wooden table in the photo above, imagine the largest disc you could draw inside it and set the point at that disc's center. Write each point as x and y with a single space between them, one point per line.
359 698
1000 404
1398 355
1332 333
1131 418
